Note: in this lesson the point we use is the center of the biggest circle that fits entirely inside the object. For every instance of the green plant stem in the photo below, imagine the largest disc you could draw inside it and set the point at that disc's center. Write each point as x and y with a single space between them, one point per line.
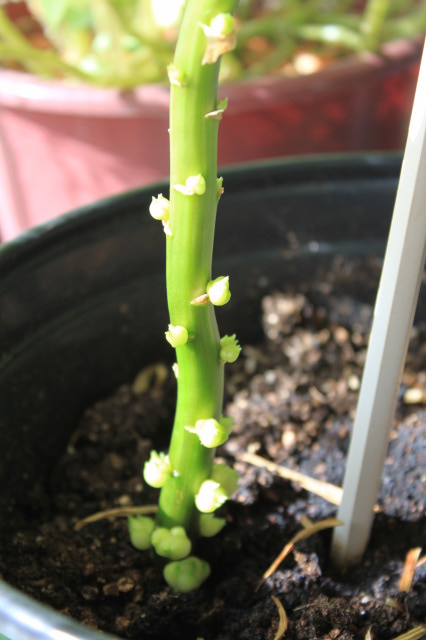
406 26
373 19
331 34
193 151
328 30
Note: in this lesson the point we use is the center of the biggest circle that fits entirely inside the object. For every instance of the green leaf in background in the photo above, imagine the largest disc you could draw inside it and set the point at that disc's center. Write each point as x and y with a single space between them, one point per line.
77 13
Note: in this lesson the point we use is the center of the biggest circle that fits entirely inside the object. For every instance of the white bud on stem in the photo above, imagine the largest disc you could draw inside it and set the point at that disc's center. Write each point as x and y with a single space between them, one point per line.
159 208
156 469
211 432
221 37
218 291
177 335
210 496
176 76
194 186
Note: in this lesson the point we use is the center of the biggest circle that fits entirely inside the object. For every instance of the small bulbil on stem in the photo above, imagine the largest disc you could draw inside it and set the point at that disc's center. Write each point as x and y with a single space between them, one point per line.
192 487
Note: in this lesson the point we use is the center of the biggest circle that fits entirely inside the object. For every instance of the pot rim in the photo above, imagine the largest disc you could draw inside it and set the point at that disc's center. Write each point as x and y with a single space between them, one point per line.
38 621
260 172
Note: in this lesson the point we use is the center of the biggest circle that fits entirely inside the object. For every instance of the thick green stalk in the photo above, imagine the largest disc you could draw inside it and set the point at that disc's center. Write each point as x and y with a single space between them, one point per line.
193 146
192 487
373 19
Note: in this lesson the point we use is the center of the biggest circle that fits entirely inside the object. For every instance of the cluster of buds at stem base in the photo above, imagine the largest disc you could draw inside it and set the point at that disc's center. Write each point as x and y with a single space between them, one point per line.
185 572
186 575
171 543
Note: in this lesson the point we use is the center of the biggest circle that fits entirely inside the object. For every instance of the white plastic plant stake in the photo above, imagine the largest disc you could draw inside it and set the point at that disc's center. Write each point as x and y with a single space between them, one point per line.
393 317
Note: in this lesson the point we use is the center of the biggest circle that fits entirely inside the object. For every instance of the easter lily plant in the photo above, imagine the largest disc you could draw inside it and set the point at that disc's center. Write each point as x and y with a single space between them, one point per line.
192 486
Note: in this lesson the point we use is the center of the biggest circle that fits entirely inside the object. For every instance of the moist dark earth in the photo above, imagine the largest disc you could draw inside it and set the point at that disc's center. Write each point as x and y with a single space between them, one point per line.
293 399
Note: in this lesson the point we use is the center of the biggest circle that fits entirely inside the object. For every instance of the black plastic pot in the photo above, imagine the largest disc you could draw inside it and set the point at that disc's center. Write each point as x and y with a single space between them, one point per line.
82 305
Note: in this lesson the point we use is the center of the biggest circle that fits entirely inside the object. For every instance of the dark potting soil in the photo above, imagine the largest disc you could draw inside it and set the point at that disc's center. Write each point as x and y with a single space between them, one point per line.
293 399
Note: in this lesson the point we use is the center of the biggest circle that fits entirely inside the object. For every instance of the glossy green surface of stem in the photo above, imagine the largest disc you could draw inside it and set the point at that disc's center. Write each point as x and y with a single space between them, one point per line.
193 147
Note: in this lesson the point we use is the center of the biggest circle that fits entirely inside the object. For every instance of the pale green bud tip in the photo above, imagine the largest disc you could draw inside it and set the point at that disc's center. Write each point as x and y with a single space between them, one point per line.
156 469
209 525
211 432
176 76
229 348
197 184
186 575
228 423
218 291
171 543
210 497
223 24
220 37
217 113
177 335
159 208
140 530
219 188
194 186
226 477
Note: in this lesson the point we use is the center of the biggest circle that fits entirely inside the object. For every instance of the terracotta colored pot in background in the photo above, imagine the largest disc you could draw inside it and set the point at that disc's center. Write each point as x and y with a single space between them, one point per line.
65 145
